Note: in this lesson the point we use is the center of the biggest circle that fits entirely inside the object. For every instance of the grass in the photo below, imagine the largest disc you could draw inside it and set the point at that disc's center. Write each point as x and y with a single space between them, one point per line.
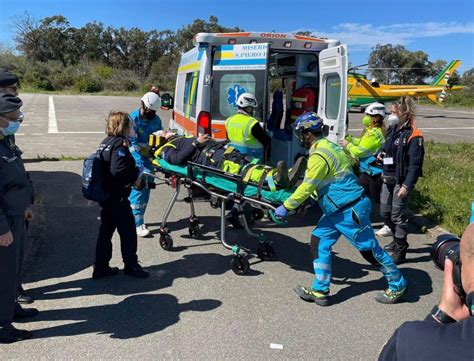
44 158
444 193
31 90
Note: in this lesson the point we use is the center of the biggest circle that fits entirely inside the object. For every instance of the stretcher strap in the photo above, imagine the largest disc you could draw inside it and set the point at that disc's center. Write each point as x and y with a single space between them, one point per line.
262 180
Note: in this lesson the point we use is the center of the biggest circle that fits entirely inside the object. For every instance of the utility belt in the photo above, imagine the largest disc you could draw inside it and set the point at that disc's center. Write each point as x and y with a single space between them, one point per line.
389 180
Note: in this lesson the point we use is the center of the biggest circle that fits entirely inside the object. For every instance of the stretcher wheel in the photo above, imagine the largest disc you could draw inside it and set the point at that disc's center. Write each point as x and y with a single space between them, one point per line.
257 214
240 265
166 241
265 251
195 230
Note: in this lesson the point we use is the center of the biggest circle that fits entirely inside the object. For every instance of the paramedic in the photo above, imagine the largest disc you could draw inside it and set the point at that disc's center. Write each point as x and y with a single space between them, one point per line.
365 149
402 156
9 85
346 210
15 199
145 122
116 213
244 131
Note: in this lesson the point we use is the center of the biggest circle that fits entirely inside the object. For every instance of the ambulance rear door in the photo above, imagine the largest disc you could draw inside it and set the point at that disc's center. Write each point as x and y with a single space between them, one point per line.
237 69
333 90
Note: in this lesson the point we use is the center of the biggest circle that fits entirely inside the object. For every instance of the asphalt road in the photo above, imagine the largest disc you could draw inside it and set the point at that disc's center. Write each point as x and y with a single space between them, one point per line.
193 306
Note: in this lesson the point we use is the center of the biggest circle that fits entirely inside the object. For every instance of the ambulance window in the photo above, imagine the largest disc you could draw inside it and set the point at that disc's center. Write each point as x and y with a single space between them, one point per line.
333 96
231 86
190 93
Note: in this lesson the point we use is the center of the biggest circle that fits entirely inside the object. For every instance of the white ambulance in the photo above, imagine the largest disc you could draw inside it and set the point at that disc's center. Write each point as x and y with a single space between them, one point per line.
288 73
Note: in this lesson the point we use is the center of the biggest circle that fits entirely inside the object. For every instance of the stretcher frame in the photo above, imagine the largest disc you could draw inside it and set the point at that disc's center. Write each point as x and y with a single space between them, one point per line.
218 198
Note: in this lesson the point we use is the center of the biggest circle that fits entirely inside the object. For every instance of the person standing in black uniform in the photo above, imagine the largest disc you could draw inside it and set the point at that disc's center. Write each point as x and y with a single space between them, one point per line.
119 173
447 333
15 198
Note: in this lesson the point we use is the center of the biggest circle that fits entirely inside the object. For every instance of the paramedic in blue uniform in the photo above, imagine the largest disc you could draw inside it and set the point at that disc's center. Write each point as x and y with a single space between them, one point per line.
447 333
145 122
15 200
346 211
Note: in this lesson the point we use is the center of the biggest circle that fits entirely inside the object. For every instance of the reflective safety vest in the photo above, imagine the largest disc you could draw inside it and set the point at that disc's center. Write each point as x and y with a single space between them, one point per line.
365 148
328 178
239 131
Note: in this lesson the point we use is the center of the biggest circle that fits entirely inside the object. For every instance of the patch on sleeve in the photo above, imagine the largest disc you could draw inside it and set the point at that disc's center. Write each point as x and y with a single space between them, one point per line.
121 153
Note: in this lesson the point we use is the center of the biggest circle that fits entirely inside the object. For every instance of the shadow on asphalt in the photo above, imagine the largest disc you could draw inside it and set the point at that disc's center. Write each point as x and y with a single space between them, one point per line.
68 224
135 316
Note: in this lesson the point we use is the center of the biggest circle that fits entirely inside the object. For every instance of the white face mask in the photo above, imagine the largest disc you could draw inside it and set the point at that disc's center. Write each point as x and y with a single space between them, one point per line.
393 120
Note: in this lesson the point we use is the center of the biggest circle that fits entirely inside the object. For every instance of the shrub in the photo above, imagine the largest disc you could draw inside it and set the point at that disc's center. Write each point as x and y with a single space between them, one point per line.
87 84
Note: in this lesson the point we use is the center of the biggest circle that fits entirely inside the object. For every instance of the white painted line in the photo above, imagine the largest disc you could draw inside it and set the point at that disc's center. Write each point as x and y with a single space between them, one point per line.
52 122
276 346
19 134
24 125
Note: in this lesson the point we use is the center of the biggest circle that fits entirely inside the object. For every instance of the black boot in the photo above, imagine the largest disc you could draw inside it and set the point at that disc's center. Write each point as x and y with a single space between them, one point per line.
391 246
297 171
281 176
400 251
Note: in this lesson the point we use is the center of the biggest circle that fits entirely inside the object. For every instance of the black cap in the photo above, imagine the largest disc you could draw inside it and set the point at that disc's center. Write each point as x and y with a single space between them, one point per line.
9 103
7 78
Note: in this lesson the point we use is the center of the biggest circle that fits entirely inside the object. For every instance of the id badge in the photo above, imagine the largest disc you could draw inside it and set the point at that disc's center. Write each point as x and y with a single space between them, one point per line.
388 161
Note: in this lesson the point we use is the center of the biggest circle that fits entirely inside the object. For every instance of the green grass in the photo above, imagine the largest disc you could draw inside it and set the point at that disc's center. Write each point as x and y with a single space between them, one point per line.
443 194
27 89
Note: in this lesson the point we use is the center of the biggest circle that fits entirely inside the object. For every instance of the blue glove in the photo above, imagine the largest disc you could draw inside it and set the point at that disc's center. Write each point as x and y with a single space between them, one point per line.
281 212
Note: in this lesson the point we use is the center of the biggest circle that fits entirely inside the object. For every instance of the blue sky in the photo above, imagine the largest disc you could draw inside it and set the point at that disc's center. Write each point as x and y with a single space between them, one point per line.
443 29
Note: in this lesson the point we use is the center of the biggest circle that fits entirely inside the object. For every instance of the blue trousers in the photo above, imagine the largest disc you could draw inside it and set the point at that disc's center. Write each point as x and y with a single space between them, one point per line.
138 201
354 223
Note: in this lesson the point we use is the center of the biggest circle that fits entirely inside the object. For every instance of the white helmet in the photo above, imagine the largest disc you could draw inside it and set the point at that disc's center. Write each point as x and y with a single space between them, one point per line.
376 109
247 100
152 101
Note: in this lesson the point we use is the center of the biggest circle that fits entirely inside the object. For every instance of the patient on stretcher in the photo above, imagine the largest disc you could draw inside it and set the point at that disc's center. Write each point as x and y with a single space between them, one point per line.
178 150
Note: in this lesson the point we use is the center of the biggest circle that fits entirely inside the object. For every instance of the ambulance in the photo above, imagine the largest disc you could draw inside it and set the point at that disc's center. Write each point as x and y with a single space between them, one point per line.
289 74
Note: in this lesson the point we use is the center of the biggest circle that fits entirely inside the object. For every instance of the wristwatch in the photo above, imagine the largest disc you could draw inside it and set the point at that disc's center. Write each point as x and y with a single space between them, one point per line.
441 316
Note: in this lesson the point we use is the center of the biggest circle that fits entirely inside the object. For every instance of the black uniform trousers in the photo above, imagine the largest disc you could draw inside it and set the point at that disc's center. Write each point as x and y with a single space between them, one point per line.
9 265
116 215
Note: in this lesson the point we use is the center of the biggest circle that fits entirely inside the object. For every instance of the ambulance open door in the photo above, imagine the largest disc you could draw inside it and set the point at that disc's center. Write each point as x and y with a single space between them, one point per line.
332 106
237 69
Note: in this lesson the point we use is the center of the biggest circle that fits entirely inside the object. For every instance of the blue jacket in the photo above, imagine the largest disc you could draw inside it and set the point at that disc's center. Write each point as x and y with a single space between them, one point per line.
405 146
139 137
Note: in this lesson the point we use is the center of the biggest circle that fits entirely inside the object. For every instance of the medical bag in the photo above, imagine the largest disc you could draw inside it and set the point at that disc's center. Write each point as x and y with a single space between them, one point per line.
303 100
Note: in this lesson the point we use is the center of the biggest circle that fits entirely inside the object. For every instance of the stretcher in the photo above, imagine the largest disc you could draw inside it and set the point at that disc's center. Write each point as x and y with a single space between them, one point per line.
221 188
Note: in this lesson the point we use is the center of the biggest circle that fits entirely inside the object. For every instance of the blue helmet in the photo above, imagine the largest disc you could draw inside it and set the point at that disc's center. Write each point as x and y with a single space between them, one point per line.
308 121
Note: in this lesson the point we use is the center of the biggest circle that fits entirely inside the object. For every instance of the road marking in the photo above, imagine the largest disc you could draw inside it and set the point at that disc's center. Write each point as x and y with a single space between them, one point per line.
52 122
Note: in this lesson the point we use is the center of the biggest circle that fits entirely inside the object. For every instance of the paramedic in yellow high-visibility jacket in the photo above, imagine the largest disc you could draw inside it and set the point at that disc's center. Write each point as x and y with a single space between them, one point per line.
346 211
244 131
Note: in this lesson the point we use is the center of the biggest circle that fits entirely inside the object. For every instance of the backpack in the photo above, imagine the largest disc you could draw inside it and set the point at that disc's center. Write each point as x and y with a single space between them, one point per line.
92 178
303 100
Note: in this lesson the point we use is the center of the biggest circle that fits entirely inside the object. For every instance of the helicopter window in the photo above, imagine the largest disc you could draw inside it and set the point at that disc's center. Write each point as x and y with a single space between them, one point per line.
333 96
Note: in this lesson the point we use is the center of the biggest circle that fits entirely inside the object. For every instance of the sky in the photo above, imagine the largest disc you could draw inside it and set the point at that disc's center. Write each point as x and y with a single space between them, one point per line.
443 29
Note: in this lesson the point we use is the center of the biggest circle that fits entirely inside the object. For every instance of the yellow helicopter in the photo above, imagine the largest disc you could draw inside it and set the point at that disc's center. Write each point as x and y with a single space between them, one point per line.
362 91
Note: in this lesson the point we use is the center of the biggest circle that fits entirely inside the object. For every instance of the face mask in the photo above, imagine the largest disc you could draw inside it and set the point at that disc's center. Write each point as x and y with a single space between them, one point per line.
366 121
393 120
12 128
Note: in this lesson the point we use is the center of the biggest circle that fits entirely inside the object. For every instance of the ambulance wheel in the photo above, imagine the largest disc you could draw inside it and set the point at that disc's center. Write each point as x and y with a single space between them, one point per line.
240 265
265 251
195 230
166 241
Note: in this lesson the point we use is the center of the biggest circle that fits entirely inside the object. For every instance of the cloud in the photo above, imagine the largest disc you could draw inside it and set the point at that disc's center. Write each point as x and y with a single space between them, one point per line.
365 36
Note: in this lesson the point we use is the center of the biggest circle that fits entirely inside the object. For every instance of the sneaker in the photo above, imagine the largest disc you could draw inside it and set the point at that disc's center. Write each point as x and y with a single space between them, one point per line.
310 295
10 334
399 254
22 297
142 231
391 246
390 297
101 272
385 231
136 271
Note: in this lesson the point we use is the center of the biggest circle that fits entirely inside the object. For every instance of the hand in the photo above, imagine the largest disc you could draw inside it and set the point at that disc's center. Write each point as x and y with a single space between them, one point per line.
380 157
203 138
29 215
450 303
343 143
281 212
403 192
6 239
